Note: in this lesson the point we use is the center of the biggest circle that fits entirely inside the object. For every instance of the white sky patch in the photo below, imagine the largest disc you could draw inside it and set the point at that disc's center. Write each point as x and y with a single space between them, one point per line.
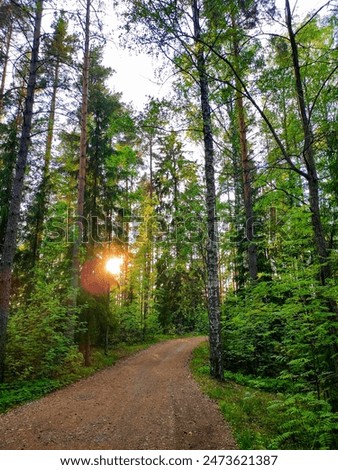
134 77
302 6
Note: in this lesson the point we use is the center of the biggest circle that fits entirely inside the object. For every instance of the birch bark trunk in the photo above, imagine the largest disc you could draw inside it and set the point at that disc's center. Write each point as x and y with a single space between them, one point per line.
214 310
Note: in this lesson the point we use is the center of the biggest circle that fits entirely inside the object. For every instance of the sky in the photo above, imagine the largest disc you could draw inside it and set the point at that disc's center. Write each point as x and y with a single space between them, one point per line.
134 75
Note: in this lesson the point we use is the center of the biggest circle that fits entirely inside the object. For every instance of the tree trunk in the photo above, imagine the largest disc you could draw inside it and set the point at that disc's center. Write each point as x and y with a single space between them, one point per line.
308 156
148 256
247 190
82 166
83 155
235 208
10 242
42 193
216 356
246 169
4 69
10 162
313 185
151 171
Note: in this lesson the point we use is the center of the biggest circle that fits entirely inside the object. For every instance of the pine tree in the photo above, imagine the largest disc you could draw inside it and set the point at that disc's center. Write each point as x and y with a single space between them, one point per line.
9 248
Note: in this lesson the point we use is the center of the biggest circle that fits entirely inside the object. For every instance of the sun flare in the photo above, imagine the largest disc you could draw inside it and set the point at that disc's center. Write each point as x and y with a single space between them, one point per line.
114 265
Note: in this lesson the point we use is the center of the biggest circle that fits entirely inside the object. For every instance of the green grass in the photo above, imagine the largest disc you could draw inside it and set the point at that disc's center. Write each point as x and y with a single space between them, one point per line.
243 407
18 392
265 420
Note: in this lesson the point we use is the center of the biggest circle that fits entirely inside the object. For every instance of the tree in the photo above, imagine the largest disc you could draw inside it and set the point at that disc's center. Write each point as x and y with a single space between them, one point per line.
9 149
308 152
18 182
58 52
309 173
7 27
294 284
165 23
83 156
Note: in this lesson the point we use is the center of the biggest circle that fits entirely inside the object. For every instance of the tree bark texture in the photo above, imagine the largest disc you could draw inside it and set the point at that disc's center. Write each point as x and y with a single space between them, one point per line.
216 354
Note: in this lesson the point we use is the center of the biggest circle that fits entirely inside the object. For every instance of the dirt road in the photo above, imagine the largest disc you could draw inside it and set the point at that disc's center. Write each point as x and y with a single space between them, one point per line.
148 401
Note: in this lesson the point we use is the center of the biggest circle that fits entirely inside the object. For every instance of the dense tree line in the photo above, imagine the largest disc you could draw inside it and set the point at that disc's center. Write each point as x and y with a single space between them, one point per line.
219 205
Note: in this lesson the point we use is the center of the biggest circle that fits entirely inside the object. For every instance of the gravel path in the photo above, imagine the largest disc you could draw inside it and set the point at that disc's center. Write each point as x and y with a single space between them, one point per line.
147 401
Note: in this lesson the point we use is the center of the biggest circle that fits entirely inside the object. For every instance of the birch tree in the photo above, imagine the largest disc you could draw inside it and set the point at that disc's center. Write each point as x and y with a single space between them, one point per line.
175 29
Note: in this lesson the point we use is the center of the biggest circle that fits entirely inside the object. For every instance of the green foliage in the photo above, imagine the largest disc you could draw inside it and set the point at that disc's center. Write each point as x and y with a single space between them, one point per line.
21 391
17 393
262 420
283 329
241 406
179 298
8 149
39 342
132 327
144 192
307 421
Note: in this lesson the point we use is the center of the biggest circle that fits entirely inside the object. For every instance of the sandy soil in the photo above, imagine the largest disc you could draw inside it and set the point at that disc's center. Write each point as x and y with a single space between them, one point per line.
148 401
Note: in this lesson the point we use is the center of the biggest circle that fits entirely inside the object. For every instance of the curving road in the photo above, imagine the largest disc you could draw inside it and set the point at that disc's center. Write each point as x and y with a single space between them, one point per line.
148 401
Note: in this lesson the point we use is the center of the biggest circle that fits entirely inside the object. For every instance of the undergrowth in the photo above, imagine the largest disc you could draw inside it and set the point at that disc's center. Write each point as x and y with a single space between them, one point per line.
266 420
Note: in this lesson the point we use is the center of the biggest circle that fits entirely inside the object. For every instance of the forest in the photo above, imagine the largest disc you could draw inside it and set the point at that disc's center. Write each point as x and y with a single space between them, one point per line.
212 211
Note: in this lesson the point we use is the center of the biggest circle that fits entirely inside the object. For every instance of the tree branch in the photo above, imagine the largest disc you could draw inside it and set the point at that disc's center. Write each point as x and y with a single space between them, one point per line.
312 17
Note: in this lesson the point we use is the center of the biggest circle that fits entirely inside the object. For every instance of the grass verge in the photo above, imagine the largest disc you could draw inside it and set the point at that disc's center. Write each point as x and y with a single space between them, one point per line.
264 420
18 392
